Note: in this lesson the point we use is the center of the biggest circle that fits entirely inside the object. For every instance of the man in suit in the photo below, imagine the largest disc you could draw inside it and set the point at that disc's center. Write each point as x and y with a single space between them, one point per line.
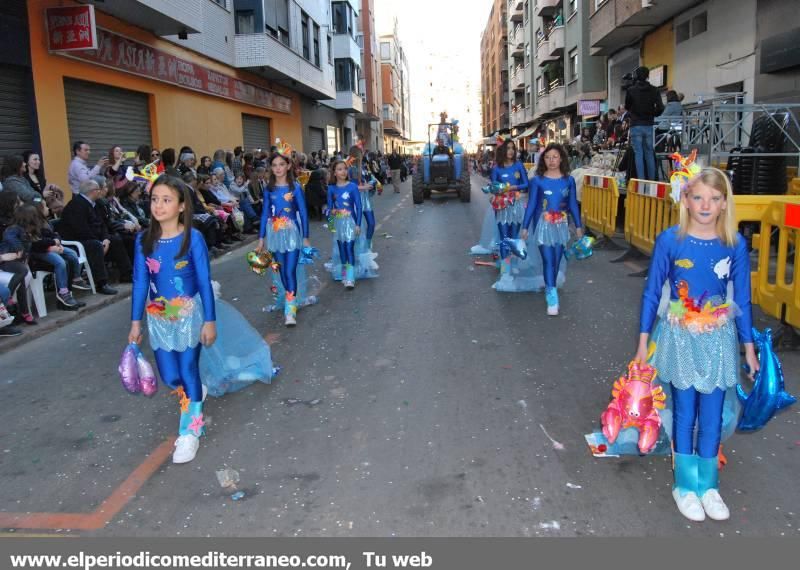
81 222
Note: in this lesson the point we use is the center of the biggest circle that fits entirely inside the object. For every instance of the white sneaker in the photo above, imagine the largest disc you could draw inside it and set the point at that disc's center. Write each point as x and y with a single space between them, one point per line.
552 310
290 321
689 506
185 448
349 285
205 392
714 506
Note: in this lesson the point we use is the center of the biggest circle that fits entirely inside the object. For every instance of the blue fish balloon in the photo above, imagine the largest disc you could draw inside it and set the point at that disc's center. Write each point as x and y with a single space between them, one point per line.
516 246
308 254
768 394
581 249
495 188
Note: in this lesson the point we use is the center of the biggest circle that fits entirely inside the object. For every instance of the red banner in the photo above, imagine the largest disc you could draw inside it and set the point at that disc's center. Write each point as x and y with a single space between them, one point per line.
71 28
126 55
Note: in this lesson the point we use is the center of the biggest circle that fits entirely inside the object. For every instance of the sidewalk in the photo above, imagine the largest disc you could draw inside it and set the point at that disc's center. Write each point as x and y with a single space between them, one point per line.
57 318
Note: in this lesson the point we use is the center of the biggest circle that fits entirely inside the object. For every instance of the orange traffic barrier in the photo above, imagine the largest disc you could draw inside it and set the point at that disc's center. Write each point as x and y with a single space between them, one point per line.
600 204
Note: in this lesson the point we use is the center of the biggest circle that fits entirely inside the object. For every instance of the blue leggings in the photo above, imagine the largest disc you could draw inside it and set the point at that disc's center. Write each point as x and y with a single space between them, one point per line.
181 369
551 260
288 261
507 231
369 215
690 407
347 252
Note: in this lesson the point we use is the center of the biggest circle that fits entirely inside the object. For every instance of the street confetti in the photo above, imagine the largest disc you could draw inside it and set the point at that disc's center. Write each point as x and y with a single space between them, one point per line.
238 496
574 486
228 478
556 445
552 525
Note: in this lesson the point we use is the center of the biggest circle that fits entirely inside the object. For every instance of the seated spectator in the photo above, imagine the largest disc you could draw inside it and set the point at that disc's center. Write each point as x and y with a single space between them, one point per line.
52 194
188 162
220 190
205 166
14 272
233 202
204 218
82 222
42 247
6 320
79 170
13 176
212 204
117 219
255 187
130 194
155 156
168 160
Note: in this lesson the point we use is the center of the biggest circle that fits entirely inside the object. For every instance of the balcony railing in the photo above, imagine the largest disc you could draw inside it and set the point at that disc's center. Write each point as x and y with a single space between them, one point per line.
547 7
556 40
516 10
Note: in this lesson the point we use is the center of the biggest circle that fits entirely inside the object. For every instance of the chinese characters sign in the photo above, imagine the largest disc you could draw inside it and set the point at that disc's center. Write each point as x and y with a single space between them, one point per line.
71 28
126 55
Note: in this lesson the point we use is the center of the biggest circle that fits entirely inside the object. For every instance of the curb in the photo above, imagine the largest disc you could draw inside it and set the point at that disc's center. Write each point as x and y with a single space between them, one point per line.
62 318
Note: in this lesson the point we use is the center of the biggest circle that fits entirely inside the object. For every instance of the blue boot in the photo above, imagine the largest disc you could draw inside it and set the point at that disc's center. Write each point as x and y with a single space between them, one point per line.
350 276
708 489
551 296
684 491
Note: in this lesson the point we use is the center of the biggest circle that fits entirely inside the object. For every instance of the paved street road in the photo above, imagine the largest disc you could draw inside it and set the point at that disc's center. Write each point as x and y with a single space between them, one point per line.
424 397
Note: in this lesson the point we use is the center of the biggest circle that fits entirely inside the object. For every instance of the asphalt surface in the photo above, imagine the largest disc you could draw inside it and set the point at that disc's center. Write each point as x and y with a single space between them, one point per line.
423 403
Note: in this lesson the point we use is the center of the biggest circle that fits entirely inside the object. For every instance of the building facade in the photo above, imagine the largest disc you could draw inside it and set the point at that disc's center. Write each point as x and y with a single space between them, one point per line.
369 123
210 74
395 93
494 72
569 83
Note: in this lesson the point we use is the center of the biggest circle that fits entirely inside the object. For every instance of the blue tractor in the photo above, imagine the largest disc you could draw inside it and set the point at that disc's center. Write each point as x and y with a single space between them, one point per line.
444 165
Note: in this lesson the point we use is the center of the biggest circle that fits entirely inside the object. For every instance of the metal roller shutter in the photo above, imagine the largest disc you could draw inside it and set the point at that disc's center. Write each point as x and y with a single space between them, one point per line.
256 132
103 117
16 132
316 140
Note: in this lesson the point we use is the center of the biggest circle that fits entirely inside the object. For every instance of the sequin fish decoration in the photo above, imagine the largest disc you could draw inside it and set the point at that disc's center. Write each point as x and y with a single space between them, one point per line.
147 376
128 371
308 254
283 149
496 188
635 403
516 246
684 263
259 262
769 394
582 248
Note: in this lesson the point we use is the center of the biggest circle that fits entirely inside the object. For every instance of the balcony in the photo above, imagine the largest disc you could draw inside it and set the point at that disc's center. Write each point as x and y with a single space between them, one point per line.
556 94
159 17
518 43
544 52
542 103
555 39
517 117
516 10
619 23
391 127
347 101
518 79
345 46
546 7
268 57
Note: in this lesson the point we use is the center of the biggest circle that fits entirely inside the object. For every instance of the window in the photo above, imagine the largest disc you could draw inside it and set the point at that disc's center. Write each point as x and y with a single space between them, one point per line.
527 54
386 50
276 16
528 97
339 12
682 32
347 75
330 49
541 88
573 64
699 24
304 29
245 22
316 45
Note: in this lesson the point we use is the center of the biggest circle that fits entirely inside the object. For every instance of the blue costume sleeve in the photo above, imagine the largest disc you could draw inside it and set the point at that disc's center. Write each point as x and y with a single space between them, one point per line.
357 207
331 188
493 175
302 211
199 255
266 210
141 280
656 276
534 209
523 181
740 273
574 209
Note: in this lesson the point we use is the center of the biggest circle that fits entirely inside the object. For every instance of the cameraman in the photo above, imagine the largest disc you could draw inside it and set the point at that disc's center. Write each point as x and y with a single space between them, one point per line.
643 103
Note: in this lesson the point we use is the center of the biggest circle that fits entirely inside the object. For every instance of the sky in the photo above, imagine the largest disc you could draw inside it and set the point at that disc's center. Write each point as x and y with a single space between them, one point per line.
442 43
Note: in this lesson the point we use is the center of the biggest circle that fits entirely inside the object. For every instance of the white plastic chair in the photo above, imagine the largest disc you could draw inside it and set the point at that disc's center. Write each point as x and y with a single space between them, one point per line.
83 260
36 289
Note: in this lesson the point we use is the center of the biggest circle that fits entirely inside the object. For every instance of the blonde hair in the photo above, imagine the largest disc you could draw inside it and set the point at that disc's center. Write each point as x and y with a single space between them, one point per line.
726 222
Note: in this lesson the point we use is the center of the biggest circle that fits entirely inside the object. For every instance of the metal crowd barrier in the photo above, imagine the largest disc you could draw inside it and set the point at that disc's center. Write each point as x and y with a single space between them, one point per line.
600 204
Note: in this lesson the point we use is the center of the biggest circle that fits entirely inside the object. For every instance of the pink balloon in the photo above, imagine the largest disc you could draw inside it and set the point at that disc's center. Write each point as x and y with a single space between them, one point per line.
128 370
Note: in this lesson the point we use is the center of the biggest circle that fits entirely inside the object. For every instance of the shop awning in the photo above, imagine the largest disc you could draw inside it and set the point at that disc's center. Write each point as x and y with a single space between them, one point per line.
528 132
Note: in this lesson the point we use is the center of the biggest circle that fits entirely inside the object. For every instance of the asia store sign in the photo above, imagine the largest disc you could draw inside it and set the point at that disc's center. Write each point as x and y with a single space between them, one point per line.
117 52
71 28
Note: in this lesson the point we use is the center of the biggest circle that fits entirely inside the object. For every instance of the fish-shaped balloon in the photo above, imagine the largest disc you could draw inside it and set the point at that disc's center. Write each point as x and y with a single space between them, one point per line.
769 394
516 246
307 255
128 371
496 188
582 248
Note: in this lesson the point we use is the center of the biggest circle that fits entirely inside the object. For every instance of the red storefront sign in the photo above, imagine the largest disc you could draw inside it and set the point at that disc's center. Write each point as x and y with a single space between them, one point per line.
117 52
71 28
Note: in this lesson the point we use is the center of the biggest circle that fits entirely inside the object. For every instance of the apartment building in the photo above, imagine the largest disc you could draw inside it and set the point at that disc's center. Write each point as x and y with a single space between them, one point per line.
369 122
395 92
494 72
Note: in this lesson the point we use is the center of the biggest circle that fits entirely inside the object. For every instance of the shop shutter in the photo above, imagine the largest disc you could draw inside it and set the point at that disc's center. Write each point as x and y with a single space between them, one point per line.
104 117
16 99
256 132
316 140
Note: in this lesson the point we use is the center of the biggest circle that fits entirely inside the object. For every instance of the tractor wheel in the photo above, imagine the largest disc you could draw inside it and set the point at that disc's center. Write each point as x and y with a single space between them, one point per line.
427 193
465 192
417 192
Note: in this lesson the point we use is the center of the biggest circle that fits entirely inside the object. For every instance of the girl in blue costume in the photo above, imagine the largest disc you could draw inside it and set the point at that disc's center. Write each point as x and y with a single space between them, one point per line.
508 207
695 340
552 197
283 219
344 206
172 277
